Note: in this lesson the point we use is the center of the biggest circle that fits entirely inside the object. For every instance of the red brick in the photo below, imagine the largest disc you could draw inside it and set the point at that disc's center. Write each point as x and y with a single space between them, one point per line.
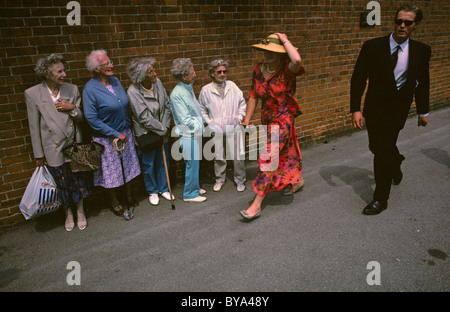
327 34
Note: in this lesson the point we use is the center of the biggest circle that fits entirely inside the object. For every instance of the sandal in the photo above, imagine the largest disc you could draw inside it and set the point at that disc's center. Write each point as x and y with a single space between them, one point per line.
117 210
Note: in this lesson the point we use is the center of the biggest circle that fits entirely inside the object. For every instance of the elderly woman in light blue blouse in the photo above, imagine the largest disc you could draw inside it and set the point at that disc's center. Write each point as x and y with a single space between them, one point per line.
150 109
189 126
105 104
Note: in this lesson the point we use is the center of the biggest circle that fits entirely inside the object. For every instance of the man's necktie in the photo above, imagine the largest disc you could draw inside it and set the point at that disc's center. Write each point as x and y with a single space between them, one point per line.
394 57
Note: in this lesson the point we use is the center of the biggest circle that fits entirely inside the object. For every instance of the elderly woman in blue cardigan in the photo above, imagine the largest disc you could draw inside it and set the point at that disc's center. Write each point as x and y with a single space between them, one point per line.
189 126
105 104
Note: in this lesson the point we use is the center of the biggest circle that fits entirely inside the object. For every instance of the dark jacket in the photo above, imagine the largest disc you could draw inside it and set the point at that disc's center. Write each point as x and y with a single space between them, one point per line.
383 102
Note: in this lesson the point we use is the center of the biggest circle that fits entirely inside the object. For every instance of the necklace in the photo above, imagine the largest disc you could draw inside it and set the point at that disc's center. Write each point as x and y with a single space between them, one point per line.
270 71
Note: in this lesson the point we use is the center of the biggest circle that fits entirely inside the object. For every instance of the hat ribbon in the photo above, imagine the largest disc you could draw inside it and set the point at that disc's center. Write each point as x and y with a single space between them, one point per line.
271 40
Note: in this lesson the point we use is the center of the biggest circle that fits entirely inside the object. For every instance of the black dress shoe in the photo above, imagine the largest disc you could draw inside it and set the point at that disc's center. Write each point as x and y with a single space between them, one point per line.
398 176
375 207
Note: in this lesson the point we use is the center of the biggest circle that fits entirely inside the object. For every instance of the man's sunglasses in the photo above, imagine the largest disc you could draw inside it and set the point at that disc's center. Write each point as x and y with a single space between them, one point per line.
400 21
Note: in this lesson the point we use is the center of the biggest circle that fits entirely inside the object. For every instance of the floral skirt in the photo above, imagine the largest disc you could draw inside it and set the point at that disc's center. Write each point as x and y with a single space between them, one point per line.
110 174
72 186
280 164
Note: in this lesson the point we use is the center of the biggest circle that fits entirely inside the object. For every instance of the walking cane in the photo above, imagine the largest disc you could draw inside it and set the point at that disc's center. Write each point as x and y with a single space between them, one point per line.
127 214
167 176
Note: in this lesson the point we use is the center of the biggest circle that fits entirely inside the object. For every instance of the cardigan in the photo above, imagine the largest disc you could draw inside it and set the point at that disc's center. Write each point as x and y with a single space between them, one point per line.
106 113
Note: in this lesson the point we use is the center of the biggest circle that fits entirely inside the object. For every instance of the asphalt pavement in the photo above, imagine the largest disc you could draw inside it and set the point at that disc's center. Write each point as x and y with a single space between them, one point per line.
314 241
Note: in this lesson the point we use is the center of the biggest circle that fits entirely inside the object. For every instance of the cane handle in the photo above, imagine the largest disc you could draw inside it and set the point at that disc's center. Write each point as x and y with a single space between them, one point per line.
116 145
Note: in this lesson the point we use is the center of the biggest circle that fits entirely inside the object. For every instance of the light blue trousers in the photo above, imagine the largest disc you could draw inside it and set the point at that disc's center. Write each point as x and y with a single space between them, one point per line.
191 154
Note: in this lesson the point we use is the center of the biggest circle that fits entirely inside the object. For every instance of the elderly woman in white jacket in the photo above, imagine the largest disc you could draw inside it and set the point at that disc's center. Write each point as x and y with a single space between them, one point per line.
150 109
223 107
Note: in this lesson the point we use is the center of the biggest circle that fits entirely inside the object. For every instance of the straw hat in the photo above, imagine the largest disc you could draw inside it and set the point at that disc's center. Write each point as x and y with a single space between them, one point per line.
271 43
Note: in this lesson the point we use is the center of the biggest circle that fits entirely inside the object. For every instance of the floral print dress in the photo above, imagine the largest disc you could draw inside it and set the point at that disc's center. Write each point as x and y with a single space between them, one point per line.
280 163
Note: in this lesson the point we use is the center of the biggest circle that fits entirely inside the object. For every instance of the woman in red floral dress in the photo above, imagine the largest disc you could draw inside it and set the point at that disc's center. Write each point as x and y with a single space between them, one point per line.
274 82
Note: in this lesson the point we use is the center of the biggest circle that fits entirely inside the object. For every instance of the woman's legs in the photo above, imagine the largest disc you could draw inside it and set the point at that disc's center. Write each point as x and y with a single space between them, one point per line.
69 224
148 170
115 204
81 218
255 207
190 148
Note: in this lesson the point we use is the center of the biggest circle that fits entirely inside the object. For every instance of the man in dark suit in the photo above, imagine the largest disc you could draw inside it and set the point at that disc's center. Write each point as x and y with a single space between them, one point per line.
398 69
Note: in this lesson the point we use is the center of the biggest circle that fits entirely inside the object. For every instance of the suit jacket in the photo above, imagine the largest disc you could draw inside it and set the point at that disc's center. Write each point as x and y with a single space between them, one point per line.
51 130
383 102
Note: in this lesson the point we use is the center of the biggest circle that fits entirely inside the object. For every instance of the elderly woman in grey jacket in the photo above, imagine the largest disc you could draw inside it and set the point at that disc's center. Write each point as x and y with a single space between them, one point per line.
149 105
53 108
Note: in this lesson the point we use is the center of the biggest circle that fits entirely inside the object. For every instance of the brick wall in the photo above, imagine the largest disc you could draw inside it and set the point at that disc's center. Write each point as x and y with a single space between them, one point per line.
327 34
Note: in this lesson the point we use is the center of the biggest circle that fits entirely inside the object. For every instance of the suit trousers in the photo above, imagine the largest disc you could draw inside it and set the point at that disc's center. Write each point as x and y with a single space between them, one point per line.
383 137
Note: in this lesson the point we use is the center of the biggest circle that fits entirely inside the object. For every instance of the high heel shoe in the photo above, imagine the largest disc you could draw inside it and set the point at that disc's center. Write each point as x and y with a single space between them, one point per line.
250 218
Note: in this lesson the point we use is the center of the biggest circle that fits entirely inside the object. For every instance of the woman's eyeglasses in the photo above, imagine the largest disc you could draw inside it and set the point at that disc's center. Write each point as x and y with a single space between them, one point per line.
400 21
107 63
221 72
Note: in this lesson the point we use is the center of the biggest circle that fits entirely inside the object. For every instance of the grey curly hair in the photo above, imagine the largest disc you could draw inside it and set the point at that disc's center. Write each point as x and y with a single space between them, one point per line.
92 61
216 63
44 65
137 68
181 67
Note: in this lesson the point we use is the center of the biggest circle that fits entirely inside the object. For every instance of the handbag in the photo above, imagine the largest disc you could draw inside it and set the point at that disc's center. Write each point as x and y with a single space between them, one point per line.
84 156
41 195
149 141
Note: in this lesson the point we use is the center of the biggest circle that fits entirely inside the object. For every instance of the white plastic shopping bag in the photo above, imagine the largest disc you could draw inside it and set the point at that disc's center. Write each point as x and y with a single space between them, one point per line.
41 195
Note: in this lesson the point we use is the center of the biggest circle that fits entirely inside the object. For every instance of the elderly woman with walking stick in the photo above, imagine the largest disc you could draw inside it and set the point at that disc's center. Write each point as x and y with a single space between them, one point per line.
105 105
150 109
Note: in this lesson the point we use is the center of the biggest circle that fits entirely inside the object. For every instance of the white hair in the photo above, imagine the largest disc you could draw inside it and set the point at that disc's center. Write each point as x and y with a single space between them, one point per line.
181 67
92 61
215 64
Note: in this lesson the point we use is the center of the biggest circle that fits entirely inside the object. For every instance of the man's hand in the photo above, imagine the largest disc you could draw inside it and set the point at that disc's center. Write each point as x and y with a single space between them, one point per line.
358 120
